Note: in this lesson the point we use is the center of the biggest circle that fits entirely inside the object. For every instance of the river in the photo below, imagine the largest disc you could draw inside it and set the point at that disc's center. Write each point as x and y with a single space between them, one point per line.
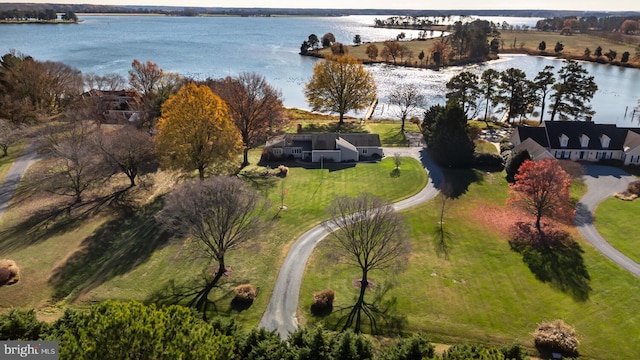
202 47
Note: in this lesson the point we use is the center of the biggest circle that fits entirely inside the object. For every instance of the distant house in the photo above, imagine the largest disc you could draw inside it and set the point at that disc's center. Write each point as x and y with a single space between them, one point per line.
116 107
334 147
579 141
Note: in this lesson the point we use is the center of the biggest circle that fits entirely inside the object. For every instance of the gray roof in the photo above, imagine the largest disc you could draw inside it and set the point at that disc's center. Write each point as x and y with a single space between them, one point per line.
323 141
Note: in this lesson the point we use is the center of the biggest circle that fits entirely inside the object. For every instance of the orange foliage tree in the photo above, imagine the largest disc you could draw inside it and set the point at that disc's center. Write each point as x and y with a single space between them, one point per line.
340 84
196 131
542 190
256 108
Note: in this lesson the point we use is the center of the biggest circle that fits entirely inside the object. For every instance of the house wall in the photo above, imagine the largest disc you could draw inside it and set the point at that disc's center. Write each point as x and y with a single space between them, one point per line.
370 151
632 157
586 155
348 153
326 155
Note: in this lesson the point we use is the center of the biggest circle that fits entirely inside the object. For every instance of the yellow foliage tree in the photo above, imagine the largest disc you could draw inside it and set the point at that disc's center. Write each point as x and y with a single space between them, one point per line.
196 131
340 84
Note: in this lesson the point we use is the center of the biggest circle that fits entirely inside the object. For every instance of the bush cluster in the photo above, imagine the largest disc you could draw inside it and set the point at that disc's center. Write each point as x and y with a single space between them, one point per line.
283 171
245 292
632 192
9 272
556 336
489 161
324 299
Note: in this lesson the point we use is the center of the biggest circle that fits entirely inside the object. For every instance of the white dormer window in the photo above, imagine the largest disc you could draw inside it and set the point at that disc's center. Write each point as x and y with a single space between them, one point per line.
564 140
584 141
604 140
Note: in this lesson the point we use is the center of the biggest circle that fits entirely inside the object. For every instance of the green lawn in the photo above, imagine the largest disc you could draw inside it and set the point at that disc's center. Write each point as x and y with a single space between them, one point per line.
485 292
617 221
129 258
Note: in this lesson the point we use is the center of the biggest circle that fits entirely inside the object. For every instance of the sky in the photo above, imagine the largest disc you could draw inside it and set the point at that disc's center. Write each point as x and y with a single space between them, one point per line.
586 5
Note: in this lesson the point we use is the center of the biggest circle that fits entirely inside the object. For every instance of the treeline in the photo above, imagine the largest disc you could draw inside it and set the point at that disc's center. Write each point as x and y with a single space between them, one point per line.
115 330
625 24
36 15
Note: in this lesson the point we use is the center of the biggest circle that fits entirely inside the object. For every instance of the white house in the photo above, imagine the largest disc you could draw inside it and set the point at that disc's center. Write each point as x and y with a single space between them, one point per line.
316 147
579 141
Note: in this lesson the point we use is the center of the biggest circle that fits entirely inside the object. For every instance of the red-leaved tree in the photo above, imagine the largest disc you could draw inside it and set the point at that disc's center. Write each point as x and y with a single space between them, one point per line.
542 190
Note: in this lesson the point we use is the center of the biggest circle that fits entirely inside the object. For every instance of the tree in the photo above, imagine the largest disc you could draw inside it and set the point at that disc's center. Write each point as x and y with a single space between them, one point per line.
572 92
357 40
421 56
542 190
196 131
542 86
107 82
339 85
372 51
542 46
558 48
328 39
130 330
513 164
392 49
514 93
463 89
438 52
256 108
629 26
625 57
611 55
314 43
77 163
128 150
220 214
598 51
488 88
10 133
369 235
408 99
339 49
448 140
144 77
587 53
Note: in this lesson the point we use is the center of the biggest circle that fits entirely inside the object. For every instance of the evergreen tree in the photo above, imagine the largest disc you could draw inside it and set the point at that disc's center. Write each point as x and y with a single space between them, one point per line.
448 139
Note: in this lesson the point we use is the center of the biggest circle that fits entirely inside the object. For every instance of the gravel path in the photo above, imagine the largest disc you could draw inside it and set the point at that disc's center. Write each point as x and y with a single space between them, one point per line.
280 314
602 182
10 183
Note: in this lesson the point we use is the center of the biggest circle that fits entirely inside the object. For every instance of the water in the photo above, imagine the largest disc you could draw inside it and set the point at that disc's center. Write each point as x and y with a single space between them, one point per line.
202 47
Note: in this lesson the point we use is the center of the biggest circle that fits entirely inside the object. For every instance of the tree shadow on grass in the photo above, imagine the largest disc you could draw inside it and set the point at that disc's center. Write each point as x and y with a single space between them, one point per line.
457 181
380 316
59 219
114 249
559 263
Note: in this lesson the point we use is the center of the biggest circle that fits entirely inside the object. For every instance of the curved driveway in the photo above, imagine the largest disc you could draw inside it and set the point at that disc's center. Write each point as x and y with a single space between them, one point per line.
17 170
602 182
280 314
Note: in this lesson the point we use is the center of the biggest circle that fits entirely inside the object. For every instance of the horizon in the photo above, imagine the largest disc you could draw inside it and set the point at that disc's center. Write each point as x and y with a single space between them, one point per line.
586 5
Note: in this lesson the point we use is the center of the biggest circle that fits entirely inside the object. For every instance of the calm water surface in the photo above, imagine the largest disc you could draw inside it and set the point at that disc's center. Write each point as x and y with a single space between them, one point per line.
204 47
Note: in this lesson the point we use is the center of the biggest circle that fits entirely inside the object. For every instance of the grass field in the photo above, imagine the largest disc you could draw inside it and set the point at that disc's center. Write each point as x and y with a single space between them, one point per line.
617 221
484 292
127 256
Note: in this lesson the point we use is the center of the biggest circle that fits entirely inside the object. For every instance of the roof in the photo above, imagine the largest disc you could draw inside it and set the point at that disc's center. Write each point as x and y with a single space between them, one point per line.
536 151
537 134
574 130
323 141
632 141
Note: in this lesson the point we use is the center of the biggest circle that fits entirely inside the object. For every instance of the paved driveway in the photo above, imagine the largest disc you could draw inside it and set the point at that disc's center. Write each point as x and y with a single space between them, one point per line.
602 182
280 314
17 170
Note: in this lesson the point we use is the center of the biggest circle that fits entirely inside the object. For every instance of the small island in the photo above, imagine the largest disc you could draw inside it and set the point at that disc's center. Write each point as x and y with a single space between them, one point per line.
48 16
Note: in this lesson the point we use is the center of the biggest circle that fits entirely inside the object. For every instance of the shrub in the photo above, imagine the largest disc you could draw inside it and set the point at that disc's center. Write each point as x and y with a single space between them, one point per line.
634 188
324 299
465 351
283 171
505 145
488 161
514 352
21 325
415 347
556 336
514 163
9 272
245 293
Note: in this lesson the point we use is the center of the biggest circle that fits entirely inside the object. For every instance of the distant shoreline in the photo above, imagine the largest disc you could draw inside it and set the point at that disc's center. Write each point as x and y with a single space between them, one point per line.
44 22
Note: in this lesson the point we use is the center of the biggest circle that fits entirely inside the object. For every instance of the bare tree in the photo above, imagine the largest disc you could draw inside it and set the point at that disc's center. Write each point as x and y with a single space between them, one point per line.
369 235
256 108
107 82
10 133
77 163
220 214
127 150
408 99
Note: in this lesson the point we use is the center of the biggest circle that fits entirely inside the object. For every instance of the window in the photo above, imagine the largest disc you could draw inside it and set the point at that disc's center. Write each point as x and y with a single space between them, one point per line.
296 151
277 151
564 140
567 154
365 150
584 141
604 141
